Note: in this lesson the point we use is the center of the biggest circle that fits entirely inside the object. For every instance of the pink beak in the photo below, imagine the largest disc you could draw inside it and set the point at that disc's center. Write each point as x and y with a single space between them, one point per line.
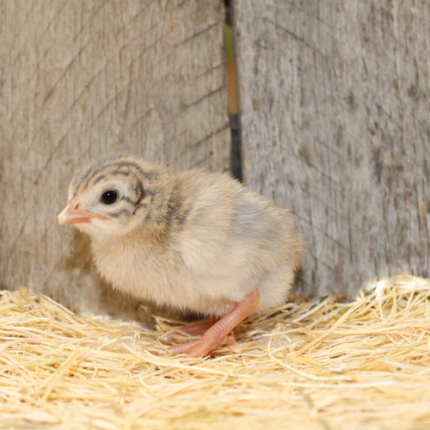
73 214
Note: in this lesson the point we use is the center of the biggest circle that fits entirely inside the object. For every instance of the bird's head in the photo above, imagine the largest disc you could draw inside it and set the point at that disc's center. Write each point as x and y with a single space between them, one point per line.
112 195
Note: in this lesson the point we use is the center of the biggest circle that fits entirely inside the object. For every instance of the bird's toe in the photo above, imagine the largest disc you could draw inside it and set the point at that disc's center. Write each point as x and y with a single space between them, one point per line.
200 347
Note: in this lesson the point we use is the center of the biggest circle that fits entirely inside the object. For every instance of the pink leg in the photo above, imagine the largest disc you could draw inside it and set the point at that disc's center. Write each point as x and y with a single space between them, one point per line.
218 334
193 329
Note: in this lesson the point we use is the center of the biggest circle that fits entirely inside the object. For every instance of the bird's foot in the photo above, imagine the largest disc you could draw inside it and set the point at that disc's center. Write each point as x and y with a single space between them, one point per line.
193 329
219 333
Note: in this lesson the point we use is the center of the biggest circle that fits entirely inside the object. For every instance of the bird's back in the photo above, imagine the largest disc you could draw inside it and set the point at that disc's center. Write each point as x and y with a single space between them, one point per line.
235 236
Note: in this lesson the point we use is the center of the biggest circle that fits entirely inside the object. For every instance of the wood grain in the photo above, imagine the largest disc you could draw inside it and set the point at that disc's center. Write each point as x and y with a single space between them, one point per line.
83 78
334 103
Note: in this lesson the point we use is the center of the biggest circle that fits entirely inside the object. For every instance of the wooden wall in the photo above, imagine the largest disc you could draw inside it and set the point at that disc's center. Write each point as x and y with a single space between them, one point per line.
81 78
334 101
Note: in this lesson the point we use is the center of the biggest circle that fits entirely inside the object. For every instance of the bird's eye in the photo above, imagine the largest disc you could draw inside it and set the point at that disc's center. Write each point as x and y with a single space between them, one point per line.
109 197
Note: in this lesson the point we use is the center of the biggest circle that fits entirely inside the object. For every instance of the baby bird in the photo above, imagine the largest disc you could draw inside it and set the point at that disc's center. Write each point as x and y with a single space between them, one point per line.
192 240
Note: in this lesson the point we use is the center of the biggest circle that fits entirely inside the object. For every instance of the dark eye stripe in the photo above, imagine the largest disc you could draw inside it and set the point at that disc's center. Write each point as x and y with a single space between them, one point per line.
128 200
120 212
139 190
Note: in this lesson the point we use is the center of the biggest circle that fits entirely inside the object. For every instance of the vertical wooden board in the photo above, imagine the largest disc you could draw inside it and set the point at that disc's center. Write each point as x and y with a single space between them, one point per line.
79 79
334 104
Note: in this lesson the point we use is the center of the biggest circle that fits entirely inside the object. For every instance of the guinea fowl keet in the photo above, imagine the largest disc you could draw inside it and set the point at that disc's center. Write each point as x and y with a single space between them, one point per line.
191 240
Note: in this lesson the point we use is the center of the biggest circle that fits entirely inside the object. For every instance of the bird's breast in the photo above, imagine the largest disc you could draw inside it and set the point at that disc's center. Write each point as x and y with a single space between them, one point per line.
161 276
139 270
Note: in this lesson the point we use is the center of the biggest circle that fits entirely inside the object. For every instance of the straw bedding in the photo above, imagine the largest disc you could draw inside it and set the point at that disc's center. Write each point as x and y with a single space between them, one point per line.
320 365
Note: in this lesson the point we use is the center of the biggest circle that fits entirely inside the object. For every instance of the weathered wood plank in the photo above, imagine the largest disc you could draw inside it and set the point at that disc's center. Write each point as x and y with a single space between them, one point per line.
83 78
334 103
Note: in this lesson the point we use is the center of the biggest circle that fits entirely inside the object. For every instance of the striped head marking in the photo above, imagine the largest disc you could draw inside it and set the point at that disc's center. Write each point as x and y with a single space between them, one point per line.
112 195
